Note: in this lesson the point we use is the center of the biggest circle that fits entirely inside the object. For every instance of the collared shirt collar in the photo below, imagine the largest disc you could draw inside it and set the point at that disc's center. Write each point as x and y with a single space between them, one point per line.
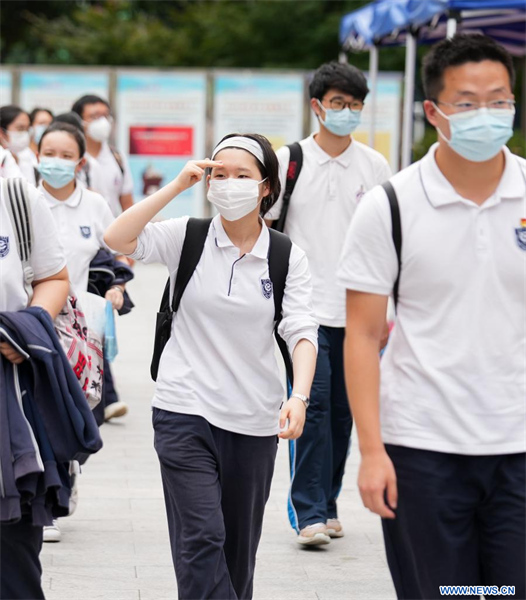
344 159
261 247
73 201
440 192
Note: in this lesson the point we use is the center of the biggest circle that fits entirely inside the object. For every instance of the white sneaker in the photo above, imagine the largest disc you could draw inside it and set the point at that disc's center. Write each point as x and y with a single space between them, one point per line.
314 535
117 409
74 472
334 528
52 532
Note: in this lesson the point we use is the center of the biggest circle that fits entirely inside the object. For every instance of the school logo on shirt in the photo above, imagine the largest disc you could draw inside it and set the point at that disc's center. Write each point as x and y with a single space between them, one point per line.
86 232
360 193
520 232
266 288
4 246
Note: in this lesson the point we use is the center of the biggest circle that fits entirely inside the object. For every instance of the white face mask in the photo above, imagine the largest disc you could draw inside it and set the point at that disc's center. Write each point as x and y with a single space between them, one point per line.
234 198
17 141
99 130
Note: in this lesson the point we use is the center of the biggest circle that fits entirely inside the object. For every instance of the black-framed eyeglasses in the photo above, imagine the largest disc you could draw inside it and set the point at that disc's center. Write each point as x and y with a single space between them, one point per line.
338 104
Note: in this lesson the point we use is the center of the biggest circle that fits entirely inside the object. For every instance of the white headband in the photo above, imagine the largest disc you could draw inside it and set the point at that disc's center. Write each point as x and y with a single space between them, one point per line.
244 143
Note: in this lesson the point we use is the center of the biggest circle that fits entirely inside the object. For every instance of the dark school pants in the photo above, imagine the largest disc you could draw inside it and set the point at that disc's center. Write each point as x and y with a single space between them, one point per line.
20 569
109 394
318 457
216 484
460 521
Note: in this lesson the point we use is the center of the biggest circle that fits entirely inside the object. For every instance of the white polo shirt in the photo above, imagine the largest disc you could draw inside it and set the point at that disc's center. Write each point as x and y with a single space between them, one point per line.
8 165
95 180
47 256
27 161
322 205
110 179
219 362
453 376
80 221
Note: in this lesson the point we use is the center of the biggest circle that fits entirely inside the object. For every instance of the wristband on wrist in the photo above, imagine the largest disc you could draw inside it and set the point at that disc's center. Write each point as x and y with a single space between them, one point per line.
118 287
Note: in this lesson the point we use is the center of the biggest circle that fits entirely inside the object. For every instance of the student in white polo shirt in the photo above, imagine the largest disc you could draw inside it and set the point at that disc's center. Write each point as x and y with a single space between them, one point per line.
336 172
442 432
217 402
21 542
15 136
116 182
81 217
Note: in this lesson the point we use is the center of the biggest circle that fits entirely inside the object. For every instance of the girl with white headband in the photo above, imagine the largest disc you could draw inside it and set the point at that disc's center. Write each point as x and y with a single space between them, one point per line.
216 409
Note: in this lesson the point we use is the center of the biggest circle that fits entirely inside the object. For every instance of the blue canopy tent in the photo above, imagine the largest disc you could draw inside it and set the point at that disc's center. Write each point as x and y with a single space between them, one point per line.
397 22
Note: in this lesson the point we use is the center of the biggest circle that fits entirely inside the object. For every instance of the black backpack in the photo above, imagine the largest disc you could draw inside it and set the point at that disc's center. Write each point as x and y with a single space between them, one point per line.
194 241
293 172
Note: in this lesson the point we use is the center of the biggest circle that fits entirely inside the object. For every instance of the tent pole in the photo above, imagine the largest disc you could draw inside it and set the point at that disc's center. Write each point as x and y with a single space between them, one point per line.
373 82
451 27
409 94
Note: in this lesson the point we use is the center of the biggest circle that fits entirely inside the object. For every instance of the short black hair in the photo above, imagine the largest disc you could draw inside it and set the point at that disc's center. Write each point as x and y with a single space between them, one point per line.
69 117
35 111
269 170
73 131
340 76
459 50
8 114
79 105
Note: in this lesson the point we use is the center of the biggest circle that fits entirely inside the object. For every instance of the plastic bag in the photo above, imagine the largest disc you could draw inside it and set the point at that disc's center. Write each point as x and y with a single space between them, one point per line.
110 336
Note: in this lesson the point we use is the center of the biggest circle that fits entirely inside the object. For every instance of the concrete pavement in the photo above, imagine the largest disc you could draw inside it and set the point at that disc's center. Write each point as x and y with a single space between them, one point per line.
116 546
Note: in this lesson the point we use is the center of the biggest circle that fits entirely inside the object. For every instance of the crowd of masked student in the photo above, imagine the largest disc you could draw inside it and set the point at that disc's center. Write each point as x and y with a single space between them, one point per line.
310 246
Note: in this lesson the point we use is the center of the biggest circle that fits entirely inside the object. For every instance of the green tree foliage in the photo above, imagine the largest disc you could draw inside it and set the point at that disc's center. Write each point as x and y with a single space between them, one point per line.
193 33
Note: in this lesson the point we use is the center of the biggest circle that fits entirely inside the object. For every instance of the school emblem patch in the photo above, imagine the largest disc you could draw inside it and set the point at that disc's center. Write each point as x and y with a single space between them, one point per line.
4 246
86 232
520 232
266 288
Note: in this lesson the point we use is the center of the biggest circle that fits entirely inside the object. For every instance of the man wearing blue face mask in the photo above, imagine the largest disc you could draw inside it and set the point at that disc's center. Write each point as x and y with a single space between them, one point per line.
442 429
335 173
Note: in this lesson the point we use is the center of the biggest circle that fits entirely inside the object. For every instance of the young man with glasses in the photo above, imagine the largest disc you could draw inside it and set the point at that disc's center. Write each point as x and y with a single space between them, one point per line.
114 181
442 431
336 172
117 185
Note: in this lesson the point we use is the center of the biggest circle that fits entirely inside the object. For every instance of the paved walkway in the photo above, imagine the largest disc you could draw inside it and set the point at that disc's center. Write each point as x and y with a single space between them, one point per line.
116 547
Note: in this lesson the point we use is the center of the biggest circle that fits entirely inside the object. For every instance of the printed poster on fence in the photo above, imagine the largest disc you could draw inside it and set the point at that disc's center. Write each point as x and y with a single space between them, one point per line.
5 87
270 104
161 125
58 90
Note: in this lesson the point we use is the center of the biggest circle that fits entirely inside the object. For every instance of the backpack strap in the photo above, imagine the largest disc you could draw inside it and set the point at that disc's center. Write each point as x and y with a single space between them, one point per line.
278 266
15 192
193 245
396 232
118 158
293 172
87 173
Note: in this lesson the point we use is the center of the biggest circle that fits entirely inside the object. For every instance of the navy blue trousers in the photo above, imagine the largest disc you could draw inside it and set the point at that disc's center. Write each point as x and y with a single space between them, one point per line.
20 569
109 394
318 457
216 484
460 521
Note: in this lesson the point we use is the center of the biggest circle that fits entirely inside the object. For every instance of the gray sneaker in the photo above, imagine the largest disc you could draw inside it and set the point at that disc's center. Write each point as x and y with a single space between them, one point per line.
334 528
314 535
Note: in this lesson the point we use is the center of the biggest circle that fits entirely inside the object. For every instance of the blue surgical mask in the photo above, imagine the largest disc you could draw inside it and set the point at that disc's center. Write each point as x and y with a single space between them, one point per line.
57 172
38 131
341 122
478 135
